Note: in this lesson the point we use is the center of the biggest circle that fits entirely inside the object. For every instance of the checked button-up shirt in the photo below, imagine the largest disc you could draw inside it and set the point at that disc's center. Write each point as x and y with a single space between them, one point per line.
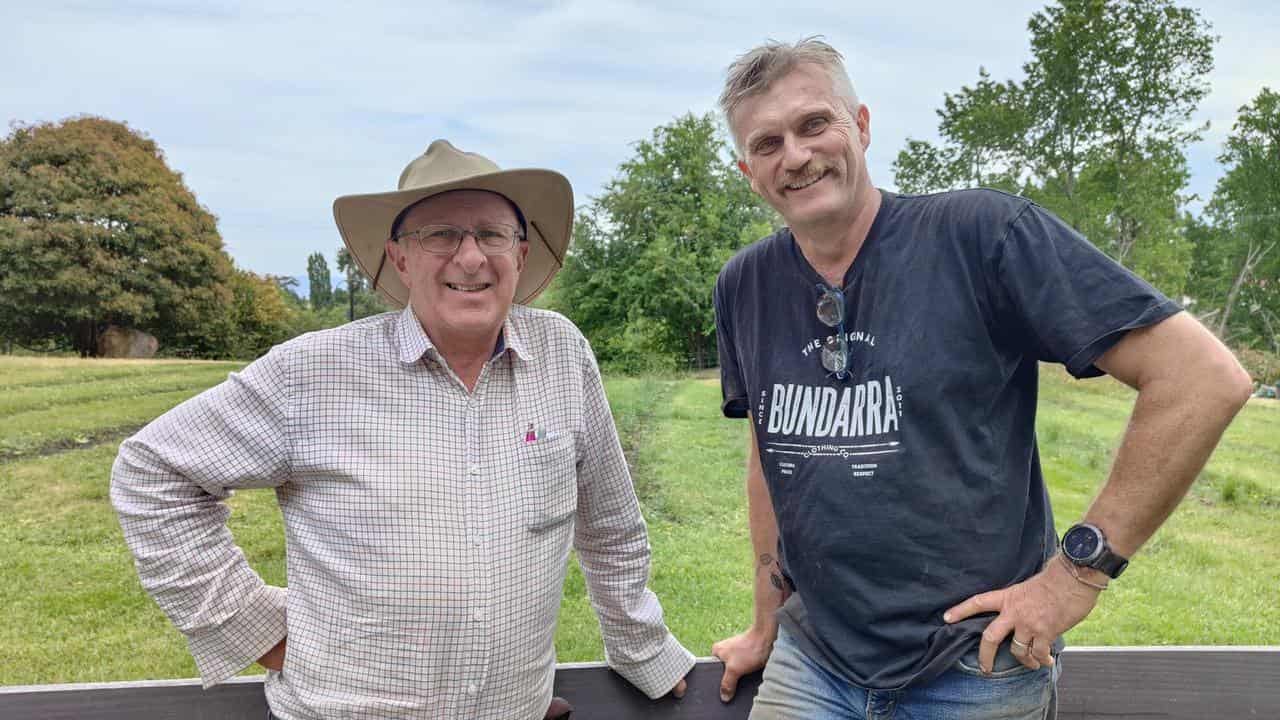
427 527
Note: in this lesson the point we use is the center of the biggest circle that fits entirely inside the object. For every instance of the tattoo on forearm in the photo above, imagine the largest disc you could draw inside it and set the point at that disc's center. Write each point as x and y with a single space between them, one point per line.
767 561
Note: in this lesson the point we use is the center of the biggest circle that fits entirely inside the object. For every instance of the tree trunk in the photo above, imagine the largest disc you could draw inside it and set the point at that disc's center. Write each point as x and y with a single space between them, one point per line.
1251 260
351 297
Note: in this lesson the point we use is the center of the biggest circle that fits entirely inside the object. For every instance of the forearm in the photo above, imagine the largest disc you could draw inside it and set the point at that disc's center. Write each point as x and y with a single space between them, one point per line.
1169 438
771 589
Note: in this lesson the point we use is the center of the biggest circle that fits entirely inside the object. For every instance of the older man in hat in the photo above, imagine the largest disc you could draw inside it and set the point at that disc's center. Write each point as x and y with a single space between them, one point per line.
433 467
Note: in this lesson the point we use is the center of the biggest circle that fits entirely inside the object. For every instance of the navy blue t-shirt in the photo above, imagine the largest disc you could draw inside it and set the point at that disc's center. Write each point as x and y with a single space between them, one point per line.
915 482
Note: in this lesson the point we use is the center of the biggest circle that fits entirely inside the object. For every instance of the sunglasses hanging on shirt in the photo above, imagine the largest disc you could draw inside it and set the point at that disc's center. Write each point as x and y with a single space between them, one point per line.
835 349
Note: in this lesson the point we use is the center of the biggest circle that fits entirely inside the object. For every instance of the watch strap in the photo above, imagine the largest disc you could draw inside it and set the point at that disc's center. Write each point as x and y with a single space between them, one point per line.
1110 563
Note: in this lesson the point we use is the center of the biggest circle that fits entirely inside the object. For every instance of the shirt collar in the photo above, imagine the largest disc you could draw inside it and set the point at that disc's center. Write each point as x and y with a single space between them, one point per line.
412 341
511 336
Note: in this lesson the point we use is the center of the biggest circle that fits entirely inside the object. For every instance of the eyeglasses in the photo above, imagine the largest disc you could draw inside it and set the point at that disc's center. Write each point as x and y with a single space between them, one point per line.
835 350
491 238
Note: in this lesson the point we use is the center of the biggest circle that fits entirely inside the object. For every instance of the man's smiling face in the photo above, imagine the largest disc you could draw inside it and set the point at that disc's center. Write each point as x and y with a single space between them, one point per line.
802 148
465 295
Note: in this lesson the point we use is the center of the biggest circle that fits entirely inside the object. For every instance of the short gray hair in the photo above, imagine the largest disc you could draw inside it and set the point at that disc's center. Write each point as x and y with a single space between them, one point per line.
756 70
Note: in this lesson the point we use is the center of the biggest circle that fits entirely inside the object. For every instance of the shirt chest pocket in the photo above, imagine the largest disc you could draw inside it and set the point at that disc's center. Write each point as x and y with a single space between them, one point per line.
548 482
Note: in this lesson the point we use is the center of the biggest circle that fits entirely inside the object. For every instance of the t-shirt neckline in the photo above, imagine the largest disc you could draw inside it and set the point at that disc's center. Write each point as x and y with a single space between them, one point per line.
810 274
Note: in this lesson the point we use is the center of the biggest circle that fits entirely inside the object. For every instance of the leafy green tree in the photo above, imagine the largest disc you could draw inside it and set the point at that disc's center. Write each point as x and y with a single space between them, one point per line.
1095 131
1119 81
1237 269
319 283
639 277
264 313
984 128
96 229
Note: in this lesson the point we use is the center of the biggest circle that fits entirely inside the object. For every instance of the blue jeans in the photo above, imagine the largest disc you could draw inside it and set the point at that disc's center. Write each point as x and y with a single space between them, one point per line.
796 687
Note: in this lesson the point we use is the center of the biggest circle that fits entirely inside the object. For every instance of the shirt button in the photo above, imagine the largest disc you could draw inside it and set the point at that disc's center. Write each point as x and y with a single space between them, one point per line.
478 615
474 470
471 689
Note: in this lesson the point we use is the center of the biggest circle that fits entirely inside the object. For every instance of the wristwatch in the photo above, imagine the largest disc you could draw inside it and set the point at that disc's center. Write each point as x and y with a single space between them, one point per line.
1086 546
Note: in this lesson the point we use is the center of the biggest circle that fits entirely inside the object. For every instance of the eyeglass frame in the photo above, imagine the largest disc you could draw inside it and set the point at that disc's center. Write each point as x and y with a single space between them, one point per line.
835 296
517 236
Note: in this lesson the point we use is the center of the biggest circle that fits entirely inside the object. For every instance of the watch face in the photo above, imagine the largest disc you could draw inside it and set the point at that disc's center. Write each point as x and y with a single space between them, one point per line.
1081 543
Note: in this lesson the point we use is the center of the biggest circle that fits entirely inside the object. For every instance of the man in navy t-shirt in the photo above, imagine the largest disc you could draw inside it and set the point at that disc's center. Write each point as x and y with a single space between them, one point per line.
885 349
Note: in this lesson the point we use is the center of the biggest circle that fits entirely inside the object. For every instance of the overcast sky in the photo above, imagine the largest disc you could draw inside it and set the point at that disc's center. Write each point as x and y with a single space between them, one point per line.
272 109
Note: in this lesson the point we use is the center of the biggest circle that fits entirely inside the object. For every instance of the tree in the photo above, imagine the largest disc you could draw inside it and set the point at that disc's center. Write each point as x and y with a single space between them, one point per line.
262 314
639 277
318 281
1237 271
96 229
361 302
984 127
1095 131
1120 81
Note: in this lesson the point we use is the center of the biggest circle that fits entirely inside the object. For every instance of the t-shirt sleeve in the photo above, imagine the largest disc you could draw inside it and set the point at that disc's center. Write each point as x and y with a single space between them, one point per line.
1069 299
733 391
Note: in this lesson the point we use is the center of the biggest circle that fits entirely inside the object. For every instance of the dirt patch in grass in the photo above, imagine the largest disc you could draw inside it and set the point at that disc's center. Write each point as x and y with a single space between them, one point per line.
79 442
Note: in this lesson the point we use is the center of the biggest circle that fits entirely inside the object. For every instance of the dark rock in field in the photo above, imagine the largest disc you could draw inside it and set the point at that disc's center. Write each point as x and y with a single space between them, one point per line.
118 342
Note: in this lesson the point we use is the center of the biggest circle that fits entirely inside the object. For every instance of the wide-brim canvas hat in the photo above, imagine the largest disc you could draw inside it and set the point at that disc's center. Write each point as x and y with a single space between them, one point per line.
544 198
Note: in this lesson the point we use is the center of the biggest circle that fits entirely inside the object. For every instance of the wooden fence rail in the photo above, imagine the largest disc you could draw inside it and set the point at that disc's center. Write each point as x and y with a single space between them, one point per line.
1118 683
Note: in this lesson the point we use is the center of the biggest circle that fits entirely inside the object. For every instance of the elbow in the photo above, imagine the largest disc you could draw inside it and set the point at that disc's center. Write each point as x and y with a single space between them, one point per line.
1211 384
121 491
1232 385
125 472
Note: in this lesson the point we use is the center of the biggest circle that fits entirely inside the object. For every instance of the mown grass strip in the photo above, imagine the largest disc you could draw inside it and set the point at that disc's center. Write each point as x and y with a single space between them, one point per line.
26 433
48 397
18 372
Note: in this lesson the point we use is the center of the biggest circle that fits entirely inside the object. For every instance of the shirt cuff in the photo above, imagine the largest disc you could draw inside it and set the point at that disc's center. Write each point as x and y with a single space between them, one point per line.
658 675
223 651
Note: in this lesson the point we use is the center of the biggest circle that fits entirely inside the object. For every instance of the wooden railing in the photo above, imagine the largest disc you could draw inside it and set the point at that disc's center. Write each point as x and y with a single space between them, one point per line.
1121 683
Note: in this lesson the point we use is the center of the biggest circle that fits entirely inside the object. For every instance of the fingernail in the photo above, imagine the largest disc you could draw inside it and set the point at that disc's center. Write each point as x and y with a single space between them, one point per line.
946 617
725 697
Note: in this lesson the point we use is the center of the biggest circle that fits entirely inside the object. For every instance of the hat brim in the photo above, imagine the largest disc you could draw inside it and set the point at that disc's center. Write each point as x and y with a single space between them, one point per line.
544 196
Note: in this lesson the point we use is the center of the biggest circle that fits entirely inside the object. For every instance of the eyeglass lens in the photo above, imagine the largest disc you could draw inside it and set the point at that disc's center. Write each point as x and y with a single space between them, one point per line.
446 239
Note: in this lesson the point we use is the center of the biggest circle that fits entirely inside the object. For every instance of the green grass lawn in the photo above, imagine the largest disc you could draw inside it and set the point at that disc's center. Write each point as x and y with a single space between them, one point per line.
74 611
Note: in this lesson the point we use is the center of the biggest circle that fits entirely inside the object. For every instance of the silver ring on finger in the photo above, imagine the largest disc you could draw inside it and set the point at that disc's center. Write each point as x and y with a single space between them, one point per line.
1018 647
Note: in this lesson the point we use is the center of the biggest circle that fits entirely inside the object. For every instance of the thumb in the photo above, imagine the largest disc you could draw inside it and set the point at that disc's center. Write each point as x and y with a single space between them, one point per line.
728 684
